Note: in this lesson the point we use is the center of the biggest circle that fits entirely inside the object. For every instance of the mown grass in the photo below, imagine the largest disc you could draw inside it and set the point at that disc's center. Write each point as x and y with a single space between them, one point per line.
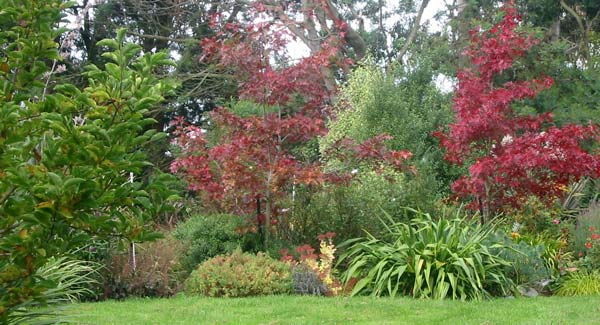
341 310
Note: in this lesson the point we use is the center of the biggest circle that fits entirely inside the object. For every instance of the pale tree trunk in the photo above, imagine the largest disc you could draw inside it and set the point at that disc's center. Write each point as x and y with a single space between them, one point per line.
462 37
413 31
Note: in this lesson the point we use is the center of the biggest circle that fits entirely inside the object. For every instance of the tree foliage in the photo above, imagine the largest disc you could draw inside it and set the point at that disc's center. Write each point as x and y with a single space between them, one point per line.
510 156
68 157
253 159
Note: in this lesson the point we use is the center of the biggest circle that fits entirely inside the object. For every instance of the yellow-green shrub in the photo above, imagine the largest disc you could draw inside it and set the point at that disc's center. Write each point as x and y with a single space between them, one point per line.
240 275
581 283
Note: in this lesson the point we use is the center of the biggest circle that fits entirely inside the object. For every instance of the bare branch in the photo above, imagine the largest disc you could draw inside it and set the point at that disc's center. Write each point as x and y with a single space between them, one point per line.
413 31
163 38
573 13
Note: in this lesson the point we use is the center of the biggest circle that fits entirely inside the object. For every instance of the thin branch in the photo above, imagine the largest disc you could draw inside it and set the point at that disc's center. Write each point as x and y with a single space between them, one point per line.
413 31
6 195
574 14
163 38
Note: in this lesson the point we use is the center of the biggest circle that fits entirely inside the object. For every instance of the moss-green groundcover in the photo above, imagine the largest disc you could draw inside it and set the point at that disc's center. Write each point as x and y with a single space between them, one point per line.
339 310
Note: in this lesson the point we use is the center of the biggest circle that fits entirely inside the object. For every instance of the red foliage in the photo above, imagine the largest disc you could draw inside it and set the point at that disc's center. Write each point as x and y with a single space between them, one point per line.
250 49
252 159
511 156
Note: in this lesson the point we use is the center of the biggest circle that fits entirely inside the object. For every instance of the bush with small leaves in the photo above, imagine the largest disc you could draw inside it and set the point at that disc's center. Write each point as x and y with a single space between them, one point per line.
313 273
240 275
526 260
307 281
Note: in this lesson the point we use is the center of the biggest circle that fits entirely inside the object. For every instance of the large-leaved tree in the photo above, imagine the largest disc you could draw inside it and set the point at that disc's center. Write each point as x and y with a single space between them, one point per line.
69 158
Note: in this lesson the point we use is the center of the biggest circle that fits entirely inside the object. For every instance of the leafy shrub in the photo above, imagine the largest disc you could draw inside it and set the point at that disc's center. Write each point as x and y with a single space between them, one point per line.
556 254
428 259
307 282
66 152
347 210
536 216
207 236
526 261
580 283
68 279
156 272
406 105
240 275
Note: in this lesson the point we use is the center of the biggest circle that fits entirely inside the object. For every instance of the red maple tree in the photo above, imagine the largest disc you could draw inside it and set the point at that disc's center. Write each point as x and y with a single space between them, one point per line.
251 165
511 156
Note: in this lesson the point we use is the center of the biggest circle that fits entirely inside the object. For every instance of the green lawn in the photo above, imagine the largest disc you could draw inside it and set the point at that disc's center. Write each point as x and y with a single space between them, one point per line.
311 310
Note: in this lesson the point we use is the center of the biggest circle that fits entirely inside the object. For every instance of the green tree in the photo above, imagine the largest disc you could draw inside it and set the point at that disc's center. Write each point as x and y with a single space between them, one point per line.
407 106
68 157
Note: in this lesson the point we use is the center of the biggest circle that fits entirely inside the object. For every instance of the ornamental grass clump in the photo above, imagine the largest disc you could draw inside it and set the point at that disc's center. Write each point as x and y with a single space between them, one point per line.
580 283
427 258
67 280
240 275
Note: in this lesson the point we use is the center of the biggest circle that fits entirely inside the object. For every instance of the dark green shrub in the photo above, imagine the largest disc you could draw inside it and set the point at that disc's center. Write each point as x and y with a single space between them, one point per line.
207 236
428 259
67 151
240 275
157 270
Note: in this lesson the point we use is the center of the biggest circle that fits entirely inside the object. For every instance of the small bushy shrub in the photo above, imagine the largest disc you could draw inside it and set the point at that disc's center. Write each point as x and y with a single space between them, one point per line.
526 261
307 282
428 259
207 236
536 216
240 275
579 284
556 254
347 210
156 273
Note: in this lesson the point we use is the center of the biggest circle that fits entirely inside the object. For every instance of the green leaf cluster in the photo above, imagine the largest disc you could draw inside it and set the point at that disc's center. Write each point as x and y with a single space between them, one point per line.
207 236
404 105
67 154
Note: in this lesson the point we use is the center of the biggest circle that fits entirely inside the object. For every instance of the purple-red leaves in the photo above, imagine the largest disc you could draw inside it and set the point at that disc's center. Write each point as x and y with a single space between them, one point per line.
511 157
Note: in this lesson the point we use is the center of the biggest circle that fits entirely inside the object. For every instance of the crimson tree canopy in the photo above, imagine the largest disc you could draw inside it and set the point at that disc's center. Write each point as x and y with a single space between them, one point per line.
252 160
510 156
